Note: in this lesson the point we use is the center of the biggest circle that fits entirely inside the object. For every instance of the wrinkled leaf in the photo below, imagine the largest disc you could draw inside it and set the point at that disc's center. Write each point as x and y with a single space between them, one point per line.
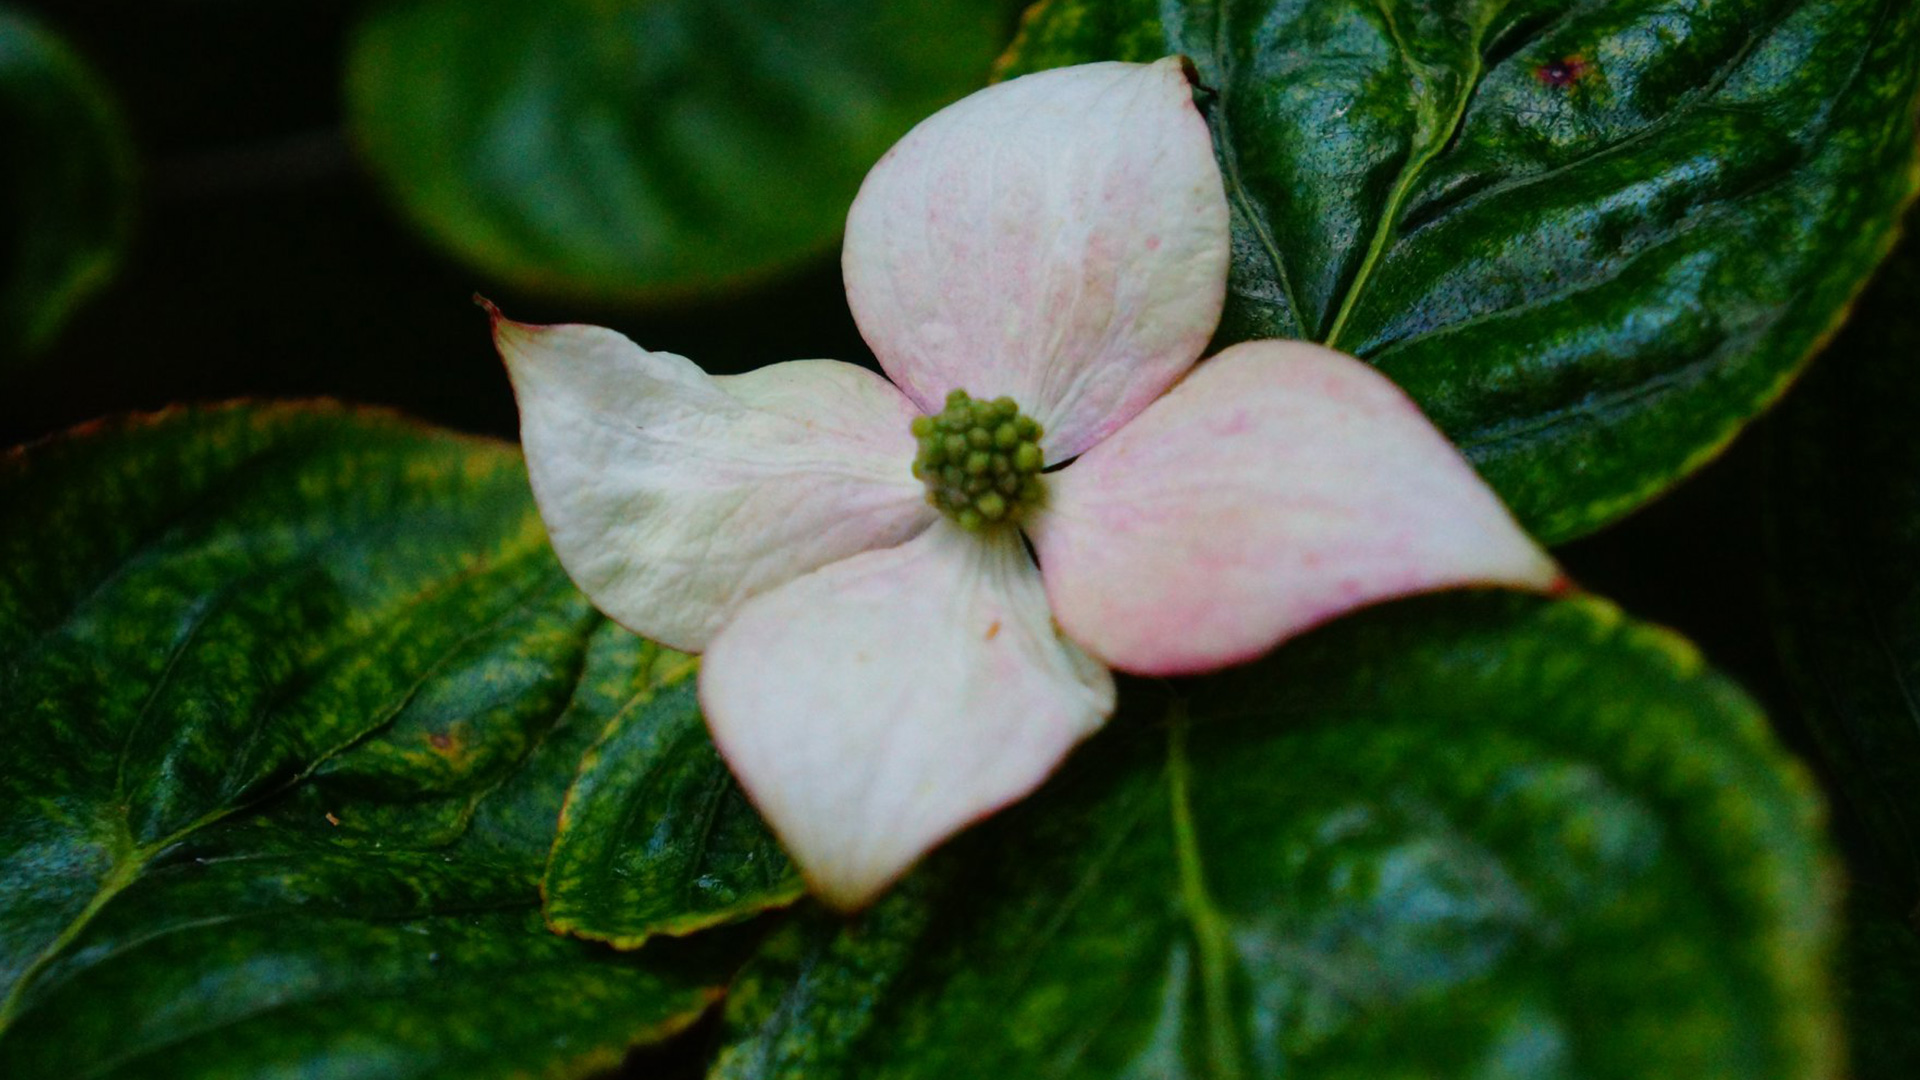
68 176
1843 523
289 700
1591 239
640 149
655 837
1462 836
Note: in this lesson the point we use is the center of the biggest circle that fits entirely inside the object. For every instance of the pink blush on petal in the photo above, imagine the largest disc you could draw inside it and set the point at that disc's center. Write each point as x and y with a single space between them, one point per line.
1280 485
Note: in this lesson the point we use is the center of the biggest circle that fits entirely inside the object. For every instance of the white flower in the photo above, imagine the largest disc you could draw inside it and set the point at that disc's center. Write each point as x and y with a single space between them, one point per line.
878 675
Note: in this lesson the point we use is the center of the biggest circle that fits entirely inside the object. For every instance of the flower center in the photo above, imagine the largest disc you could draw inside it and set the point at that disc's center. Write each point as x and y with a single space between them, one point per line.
980 461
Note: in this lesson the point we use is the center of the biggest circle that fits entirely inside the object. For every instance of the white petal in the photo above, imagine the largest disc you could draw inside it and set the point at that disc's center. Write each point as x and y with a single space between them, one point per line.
673 497
1060 238
875 707
1282 484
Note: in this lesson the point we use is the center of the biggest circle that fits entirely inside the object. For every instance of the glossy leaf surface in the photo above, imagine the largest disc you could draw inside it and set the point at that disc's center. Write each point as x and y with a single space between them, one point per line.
633 150
1843 517
68 179
655 836
1464 836
1591 239
290 699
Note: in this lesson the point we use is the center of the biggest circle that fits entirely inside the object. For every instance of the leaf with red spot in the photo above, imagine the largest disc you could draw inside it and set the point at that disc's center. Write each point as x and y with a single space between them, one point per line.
1592 240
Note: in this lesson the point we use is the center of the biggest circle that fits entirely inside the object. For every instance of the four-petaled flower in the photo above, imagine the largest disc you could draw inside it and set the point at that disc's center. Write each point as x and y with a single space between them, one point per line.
1038 268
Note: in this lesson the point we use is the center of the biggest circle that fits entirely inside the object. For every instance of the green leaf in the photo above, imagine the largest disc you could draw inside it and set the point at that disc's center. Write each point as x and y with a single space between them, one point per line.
1843 522
655 836
69 174
1462 836
646 149
1591 239
289 700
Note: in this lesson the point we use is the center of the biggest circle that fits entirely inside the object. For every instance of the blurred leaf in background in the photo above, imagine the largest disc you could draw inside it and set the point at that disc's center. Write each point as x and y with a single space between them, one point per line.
266 263
635 150
66 186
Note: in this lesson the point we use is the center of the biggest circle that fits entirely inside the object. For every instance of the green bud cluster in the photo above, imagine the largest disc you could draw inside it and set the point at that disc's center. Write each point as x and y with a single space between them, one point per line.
980 460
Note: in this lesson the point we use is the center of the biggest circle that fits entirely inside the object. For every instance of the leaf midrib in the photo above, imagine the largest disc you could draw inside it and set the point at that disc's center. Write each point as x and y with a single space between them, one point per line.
1389 224
130 859
1213 950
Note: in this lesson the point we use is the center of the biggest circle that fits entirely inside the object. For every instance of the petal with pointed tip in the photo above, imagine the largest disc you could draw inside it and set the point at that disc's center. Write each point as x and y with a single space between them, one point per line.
1282 484
673 497
877 706
1060 238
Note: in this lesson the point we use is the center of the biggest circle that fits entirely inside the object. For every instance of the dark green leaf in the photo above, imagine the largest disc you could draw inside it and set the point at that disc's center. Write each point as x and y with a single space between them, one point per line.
655 836
1591 239
641 149
1463 836
289 700
69 174
1843 521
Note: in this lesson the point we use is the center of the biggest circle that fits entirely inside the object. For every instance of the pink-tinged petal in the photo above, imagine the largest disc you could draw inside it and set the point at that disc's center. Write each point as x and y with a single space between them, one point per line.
673 497
1060 238
1282 484
875 707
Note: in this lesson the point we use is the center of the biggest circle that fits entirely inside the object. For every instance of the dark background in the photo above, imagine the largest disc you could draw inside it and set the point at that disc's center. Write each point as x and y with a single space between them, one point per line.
266 264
